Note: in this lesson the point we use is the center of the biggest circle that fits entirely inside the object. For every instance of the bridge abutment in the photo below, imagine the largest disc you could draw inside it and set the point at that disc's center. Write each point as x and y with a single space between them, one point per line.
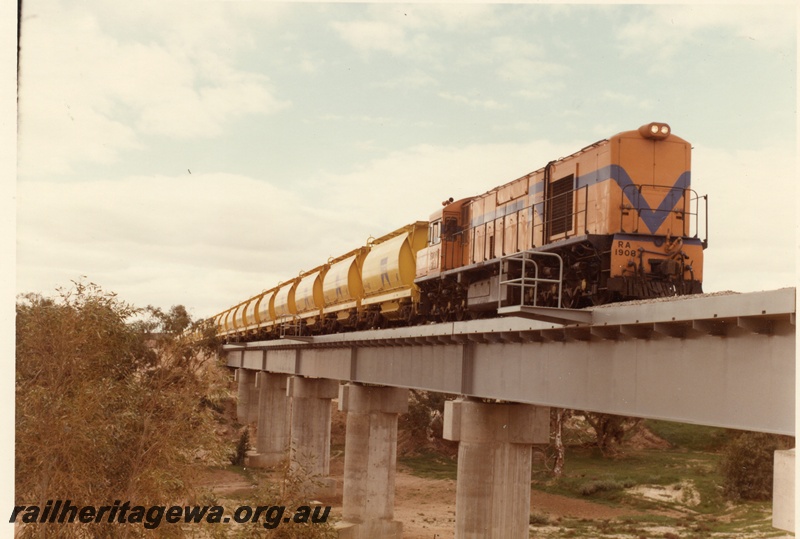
310 441
370 461
274 421
493 484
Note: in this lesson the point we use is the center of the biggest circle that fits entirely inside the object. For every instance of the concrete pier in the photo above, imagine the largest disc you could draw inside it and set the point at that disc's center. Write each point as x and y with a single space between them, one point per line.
274 421
370 461
310 443
493 488
783 491
247 393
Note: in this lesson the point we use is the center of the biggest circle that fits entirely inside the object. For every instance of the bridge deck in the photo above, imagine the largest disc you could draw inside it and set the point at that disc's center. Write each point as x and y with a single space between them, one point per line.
725 360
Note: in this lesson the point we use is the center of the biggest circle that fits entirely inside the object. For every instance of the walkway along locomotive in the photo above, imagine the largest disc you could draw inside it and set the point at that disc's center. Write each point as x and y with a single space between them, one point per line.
614 221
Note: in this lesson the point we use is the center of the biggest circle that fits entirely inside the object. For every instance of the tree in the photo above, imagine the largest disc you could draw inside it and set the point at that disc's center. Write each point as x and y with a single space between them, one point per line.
610 429
173 322
557 418
102 412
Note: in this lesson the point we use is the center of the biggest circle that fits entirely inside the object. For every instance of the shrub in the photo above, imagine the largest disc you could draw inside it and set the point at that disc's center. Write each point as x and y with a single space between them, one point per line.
747 465
103 411
242 446
539 519
606 485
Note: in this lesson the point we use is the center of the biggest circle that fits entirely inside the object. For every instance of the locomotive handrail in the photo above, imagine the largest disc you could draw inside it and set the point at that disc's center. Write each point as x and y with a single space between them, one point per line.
696 198
636 202
525 281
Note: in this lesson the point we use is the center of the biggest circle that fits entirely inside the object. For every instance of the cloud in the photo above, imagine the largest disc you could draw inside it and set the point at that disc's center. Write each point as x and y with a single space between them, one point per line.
408 185
627 100
489 104
374 35
151 238
412 30
209 241
752 212
413 79
86 96
664 30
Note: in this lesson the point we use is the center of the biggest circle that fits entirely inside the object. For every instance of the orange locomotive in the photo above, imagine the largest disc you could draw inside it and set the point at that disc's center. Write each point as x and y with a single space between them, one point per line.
616 220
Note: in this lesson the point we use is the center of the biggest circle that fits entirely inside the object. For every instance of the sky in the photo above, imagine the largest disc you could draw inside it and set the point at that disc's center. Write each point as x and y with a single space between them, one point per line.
200 152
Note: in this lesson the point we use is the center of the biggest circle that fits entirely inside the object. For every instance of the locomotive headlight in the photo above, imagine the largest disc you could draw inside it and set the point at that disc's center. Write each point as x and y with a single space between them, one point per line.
654 130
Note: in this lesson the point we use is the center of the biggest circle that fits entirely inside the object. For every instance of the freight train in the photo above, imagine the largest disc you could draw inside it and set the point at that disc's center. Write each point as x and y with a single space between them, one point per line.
614 221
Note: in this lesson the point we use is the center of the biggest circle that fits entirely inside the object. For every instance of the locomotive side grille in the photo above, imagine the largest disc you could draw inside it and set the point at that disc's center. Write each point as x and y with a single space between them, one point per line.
560 206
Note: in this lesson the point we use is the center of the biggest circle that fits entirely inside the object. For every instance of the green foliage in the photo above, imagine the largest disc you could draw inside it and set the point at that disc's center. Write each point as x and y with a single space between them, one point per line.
692 437
430 466
242 447
423 408
610 430
747 464
103 412
173 322
605 485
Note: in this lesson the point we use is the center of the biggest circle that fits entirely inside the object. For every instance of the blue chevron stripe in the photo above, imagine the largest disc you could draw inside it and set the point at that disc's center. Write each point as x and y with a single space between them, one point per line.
653 218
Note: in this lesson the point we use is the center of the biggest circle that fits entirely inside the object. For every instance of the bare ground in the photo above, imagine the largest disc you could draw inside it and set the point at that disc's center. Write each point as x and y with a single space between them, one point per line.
426 507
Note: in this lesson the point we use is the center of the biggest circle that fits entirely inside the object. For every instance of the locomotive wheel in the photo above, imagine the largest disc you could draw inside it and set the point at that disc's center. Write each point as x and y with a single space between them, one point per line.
568 299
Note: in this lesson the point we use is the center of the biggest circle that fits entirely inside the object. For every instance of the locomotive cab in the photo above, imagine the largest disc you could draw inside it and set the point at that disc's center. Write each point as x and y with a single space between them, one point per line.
656 247
446 240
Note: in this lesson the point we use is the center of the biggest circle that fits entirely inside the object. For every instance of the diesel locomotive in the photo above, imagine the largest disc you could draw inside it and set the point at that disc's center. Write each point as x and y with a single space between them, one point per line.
614 221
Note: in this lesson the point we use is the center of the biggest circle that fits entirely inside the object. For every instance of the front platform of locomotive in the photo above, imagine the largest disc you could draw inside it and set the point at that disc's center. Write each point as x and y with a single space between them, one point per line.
657 249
